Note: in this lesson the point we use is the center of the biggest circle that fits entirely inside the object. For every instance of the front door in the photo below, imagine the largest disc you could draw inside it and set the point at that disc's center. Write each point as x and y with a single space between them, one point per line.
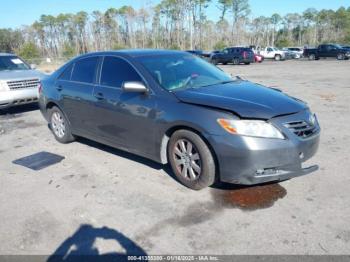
122 118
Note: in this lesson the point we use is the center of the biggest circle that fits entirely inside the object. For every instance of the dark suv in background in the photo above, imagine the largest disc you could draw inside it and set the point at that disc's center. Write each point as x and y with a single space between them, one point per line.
234 55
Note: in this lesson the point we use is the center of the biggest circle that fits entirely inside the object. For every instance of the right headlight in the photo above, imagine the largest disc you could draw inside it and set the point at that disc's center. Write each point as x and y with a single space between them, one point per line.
3 86
257 128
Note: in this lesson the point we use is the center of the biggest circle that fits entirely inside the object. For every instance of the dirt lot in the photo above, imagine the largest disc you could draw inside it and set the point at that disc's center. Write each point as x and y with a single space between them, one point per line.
102 200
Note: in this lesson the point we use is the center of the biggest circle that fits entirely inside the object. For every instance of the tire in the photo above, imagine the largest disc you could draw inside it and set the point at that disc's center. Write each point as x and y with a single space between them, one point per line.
225 63
247 63
340 56
214 61
278 57
235 61
312 57
191 160
59 126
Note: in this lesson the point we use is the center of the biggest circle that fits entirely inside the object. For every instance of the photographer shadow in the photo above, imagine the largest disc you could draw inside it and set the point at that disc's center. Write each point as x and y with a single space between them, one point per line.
80 246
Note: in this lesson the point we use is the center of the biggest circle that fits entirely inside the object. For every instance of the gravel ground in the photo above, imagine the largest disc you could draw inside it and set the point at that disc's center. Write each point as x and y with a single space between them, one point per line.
100 200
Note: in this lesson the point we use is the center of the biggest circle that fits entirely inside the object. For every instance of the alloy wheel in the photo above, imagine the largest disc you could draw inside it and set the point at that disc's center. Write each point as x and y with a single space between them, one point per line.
58 125
187 159
340 57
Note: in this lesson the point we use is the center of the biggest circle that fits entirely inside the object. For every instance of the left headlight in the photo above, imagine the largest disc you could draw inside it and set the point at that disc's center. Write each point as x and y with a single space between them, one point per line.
257 128
3 86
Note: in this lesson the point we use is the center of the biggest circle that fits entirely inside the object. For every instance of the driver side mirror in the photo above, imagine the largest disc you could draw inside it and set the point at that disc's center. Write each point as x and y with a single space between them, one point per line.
134 87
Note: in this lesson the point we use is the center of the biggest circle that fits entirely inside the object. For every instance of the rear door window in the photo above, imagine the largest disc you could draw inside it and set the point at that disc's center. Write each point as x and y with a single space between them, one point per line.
67 73
116 71
84 70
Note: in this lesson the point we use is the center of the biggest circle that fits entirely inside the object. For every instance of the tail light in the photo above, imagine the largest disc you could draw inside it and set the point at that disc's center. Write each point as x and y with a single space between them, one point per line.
245 54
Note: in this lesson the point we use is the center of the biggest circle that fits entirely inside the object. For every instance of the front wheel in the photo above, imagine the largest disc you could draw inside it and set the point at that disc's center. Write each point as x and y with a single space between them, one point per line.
60 126
214 61
191 160
340 56
278 57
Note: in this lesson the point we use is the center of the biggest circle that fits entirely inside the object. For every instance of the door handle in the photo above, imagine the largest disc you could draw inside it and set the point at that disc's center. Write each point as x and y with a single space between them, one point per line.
59 88
99 96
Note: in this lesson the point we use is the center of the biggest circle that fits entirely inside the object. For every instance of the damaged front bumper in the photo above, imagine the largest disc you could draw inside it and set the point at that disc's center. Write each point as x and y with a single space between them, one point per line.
253 160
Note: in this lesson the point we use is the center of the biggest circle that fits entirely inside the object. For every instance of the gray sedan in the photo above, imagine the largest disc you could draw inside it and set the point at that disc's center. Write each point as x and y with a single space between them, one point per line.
173 107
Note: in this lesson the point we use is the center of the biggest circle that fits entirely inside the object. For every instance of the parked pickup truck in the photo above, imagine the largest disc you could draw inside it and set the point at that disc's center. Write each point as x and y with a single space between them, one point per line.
326 51
273 53
19 83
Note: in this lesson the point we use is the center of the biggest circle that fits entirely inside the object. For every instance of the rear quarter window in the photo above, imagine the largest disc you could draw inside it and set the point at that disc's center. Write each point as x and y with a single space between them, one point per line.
67 73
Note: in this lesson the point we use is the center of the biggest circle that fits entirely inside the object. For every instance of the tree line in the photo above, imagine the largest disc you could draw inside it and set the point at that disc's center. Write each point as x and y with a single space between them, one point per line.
174 24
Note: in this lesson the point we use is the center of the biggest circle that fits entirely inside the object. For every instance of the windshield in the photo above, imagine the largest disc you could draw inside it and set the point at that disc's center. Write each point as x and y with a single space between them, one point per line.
179 71
337 46
12 63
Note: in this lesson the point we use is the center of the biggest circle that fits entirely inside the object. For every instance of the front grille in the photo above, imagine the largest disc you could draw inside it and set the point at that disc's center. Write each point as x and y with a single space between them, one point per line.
22 84
301 128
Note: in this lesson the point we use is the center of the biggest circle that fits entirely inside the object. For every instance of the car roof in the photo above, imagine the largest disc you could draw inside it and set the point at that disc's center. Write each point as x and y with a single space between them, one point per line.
137 52
6 54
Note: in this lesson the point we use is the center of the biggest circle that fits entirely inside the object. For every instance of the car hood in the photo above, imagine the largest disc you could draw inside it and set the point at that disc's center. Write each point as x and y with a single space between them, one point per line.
20 74
246 99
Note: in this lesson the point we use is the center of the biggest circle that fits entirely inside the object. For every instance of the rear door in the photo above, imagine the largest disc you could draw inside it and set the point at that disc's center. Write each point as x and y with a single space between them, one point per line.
76 92
122 118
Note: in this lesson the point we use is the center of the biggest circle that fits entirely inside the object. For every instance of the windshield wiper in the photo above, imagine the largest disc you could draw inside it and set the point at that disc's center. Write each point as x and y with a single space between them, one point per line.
226 82
220 83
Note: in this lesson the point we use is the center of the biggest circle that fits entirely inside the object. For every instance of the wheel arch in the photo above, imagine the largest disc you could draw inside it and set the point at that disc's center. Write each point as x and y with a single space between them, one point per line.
51 104
170 131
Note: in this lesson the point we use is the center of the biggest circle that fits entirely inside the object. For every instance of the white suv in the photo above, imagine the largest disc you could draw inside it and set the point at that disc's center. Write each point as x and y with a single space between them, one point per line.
18 82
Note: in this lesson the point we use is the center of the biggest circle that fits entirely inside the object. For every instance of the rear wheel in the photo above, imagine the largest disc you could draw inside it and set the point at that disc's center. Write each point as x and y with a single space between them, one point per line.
60 126
312 57
235 61
191 160
247 63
